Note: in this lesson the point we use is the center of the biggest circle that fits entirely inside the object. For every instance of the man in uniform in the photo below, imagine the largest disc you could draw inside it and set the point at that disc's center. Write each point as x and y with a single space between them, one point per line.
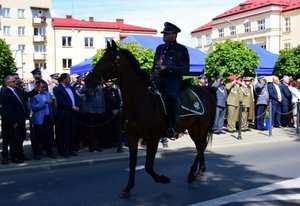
245 93
233 99
37 75
261 103
221 105
202 80
171 62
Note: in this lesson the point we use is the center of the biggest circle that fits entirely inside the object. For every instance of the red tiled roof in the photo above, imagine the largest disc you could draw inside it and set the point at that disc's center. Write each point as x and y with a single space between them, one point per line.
203 28
255 4
75 23
251 5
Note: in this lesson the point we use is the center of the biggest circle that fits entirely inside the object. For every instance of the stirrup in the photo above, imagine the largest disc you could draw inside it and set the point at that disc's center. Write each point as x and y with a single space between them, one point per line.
172 134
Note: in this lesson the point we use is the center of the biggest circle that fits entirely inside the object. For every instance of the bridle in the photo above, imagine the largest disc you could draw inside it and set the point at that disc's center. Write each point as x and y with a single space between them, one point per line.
115 68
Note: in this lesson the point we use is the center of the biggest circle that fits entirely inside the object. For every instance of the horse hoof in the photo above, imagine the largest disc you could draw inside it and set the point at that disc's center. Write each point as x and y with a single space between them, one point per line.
125 195
163 179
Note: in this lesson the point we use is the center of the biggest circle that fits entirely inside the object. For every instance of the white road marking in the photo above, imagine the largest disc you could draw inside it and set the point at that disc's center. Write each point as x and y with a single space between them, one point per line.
138 167
252 195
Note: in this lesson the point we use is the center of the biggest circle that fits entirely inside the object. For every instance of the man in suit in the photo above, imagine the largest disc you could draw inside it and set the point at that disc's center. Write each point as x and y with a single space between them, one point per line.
286 101
42 120
276 99
67 108
13 122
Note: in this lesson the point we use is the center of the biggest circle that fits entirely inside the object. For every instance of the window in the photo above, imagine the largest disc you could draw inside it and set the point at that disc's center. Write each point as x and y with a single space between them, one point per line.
21 47
208 39
261 24
232 30
40 48
39 13
221 33
21 31
66 41
21 13
199 41
67 63
287 24
39 31
6 30
89 42
263 46
287 45
6 12
247 27
42 65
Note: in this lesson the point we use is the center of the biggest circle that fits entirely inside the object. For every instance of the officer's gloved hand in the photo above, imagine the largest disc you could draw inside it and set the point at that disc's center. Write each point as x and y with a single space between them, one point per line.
162 70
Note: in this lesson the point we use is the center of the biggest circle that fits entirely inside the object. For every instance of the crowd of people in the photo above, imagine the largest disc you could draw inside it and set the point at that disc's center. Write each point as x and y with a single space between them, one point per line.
63 115
66 115
254 96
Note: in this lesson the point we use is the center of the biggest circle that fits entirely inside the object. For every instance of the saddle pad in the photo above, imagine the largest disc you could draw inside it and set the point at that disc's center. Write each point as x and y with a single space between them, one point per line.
190 103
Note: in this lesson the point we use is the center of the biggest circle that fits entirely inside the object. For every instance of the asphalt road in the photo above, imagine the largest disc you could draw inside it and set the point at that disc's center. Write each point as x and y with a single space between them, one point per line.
253 174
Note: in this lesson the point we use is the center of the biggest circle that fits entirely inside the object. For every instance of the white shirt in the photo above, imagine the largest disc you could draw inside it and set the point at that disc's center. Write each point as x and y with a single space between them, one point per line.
277 90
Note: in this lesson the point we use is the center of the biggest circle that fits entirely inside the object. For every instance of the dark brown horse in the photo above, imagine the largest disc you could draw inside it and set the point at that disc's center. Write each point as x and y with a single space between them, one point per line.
144 114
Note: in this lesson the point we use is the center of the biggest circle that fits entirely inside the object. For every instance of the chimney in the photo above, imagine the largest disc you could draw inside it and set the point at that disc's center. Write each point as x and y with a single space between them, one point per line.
91 18
69 16
121 21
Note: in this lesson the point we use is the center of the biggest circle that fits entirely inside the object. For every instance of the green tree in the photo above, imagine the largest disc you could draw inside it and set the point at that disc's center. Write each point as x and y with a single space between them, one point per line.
7 62
144 56
231 58
288 63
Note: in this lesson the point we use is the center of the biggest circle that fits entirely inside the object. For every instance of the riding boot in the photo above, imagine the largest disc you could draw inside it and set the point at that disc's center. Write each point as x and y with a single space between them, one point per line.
172 132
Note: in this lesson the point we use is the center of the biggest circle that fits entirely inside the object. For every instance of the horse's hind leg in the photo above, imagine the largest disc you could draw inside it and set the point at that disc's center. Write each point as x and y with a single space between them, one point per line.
133 145
152 145
199 138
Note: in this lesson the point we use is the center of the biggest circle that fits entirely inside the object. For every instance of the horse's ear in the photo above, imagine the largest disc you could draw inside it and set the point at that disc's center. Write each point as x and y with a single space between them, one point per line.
108 45
113 45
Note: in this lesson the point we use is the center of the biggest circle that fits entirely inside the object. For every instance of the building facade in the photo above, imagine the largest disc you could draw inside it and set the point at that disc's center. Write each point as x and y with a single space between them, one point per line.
77 40
272 24
37 40
26 28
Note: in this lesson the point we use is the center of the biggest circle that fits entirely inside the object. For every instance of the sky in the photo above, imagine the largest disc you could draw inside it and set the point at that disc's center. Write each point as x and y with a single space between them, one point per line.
186 14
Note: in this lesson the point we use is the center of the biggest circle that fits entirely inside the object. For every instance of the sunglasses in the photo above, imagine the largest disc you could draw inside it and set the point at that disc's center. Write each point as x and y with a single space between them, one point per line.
11 81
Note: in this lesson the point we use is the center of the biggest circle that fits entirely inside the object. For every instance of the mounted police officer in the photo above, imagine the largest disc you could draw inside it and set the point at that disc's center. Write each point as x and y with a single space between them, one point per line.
171 62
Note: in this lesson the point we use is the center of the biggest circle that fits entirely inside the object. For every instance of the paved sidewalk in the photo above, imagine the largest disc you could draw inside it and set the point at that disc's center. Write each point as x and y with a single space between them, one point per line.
182 144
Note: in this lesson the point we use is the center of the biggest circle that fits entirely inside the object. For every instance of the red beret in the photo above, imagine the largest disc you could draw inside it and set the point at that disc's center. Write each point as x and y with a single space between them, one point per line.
232 77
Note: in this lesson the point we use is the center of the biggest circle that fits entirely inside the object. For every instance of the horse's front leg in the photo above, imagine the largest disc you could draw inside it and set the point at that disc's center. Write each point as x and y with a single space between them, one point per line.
133 148
152 145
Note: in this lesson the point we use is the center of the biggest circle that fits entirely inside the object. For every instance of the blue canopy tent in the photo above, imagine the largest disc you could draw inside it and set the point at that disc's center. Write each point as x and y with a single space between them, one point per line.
82 67
267 60
197 57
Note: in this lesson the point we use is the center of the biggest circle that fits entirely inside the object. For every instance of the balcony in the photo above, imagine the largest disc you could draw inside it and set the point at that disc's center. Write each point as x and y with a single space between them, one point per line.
39 38
39 56
39 20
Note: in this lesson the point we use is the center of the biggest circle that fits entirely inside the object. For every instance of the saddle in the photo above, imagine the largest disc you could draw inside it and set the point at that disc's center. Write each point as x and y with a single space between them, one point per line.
191 103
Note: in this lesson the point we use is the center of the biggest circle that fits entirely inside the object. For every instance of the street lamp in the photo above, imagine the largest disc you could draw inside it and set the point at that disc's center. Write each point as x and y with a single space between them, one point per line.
237 35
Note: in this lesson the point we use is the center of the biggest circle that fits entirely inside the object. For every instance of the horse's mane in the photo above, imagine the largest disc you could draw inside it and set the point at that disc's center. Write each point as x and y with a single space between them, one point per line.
129 56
